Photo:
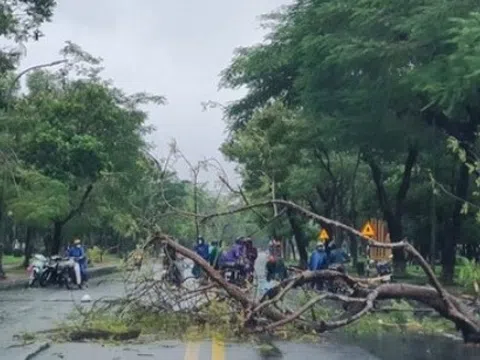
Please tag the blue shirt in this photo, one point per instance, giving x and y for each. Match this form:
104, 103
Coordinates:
318, 260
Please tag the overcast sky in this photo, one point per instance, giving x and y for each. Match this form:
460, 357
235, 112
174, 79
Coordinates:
174, 48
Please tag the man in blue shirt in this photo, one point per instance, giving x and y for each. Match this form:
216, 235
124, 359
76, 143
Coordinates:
318, 261
77, 252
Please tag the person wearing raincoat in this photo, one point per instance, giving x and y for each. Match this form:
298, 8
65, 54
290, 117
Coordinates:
214, 254
201, 248
318, 261
235, 256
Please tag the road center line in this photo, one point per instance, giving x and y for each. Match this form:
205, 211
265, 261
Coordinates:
192, 350
218, 350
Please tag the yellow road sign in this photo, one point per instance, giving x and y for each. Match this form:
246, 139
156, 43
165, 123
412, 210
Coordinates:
367, 230
323, 235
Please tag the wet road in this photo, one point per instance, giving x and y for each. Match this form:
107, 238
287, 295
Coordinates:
40, 309
30, 310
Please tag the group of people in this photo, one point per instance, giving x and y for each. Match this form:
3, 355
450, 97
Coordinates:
242, 255
324, 257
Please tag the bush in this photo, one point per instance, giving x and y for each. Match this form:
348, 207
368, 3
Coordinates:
469, 275
94, 254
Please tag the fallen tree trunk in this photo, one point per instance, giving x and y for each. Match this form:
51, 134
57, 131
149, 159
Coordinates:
364, 296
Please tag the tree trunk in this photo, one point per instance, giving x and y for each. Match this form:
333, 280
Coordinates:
393, 212
2, 242
300, 238
292, 248
354, 249
28, 246
56, 244
2, 272
451, 241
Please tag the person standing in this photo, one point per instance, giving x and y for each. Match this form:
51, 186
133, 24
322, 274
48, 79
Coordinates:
201, 248
318, 261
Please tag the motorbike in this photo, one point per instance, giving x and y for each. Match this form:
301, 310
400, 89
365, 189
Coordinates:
60, 271
382, 268
37, 265
235, 274
275, 270
338, 285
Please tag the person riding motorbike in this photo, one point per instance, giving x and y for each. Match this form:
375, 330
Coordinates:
275, 264
201, 248
235, 257
77, 252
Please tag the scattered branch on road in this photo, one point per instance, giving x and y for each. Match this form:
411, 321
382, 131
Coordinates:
267, 313
37, 351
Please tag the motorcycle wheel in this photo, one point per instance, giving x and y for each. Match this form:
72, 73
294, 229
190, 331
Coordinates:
45, 278
32, 280
67, 281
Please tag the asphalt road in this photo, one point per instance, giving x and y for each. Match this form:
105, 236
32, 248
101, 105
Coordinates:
30, 310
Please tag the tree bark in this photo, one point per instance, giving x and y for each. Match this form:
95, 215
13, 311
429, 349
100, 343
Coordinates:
58, 224
393, 213
354, 249
28, 246
56, 239
300, 238
451, 241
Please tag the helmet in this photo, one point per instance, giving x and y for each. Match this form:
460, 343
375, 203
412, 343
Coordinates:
77, 241
239, 240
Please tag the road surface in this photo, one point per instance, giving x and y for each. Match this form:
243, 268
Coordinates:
31, 310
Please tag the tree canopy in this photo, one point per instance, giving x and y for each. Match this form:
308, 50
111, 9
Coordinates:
382, 82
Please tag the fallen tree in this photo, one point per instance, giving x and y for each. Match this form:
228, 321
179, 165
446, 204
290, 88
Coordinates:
266, 314
191, 303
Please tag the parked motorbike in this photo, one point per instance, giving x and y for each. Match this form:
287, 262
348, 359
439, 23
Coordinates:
61, 272
382, 268
338, 285
37, 265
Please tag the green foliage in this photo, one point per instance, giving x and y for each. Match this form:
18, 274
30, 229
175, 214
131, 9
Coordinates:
469, 275
341, 92
39, 199
94, 254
